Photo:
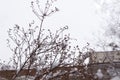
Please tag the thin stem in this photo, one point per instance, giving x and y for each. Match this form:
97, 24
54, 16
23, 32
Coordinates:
41, 24
25, 62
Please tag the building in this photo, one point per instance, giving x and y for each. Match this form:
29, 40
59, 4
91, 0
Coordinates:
105, 57
108, 62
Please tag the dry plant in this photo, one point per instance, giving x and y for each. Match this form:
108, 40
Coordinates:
49, 54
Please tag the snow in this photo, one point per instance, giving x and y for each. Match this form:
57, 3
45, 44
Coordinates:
113, 72
74, 69
55, 64
2, 78
49, 76
116, 78
57, 73
25, 78
99, 74
86, 62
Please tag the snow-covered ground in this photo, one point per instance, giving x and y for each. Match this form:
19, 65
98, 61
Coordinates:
2, 78
21, 78
116, 78
24, 78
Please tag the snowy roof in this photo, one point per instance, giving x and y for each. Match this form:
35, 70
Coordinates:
105, 56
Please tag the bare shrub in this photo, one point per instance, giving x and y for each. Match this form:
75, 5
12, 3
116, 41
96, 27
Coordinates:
48, 53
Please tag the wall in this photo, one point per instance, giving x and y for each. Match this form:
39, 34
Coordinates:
105, 57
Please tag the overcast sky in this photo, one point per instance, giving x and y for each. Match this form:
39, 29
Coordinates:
79, 15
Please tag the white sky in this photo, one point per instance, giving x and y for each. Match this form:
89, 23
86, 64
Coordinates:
79, 15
